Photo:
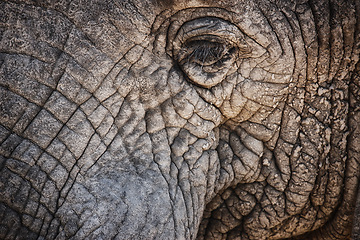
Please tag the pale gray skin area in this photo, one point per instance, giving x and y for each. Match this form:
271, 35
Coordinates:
142, 119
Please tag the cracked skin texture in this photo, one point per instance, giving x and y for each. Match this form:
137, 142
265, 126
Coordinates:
179, 119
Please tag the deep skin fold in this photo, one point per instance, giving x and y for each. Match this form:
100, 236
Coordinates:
102, 134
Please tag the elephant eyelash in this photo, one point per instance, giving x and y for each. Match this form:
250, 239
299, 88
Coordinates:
205, 52
208, 51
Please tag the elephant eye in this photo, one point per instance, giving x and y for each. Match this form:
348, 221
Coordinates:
207, 48
206, 51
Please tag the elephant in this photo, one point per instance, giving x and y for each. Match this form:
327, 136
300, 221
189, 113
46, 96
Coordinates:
161, 119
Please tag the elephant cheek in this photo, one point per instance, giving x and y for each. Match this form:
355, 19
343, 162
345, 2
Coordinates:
120, 205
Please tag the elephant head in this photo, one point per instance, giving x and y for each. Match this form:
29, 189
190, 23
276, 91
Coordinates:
179, 119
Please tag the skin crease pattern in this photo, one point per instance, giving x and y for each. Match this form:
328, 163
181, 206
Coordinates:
164, 119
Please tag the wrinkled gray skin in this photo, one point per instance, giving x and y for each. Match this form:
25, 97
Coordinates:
141, 119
